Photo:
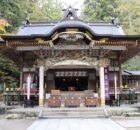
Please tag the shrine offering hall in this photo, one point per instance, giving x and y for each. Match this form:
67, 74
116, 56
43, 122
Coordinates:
70, 62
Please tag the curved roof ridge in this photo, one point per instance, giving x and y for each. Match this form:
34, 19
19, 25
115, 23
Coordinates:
70, 20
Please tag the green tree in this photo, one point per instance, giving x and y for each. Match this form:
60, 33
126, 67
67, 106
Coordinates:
52, 9
3, 25
38, 10
132, 64
99, 10
15, 11
129, 16
9, 72
10, 10
30, 8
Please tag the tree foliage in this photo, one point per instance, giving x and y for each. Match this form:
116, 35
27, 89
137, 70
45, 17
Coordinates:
133, 63
51, 9
10, 10
99, 10
3, 25
128, 13
9, 72
15, 11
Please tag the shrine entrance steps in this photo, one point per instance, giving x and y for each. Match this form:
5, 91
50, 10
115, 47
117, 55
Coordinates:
73, 113
79, 112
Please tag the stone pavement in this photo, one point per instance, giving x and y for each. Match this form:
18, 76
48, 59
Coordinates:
15, 124
121, 123
131, 123
76, 124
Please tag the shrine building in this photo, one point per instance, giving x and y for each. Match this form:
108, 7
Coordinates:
72, 56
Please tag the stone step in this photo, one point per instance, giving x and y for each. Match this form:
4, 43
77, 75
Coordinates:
73, 110
49, 114
132, 114
95, 111
73, 116
72, 113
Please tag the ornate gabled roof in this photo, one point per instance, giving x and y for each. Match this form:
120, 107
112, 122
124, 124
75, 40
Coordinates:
45, 29
94, 30
70, 20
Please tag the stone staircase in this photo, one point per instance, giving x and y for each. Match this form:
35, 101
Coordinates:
80, 112
73, 113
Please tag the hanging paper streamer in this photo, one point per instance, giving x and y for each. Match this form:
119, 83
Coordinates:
115, 85
28, 86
